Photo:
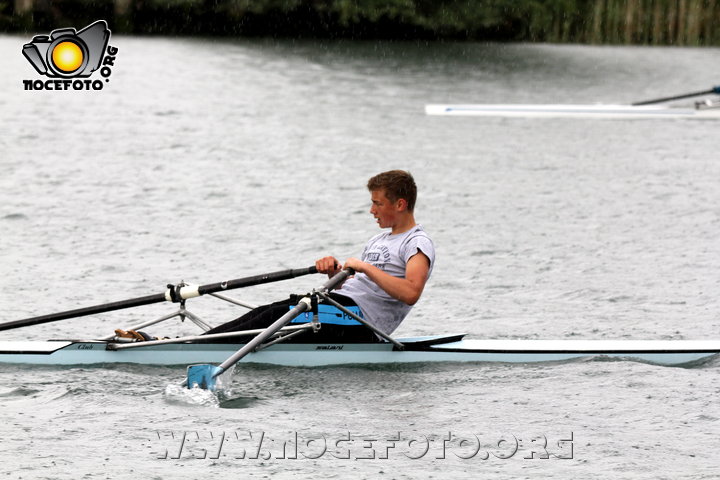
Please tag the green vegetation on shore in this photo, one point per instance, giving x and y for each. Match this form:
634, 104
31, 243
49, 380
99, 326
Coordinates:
649, 22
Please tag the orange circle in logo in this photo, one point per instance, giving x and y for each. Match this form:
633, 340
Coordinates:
67, 56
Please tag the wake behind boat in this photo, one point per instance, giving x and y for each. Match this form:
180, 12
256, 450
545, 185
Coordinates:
275, 345
704, 110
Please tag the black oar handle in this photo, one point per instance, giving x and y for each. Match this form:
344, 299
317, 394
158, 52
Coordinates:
172, 294
256, 280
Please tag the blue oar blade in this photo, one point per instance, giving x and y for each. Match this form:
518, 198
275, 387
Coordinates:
203, 376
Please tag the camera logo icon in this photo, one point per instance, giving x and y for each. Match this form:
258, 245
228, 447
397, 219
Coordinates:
67, 53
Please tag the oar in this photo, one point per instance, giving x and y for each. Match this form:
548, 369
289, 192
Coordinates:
172, 294
205, 375
714, 90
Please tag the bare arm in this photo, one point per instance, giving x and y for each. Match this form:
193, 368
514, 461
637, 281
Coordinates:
408, 289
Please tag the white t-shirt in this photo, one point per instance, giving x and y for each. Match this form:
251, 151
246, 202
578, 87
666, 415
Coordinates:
389, 253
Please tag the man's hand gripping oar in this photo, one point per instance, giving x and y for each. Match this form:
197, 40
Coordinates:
205, 375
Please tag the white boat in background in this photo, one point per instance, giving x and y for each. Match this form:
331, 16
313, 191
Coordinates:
707, 109
598, 111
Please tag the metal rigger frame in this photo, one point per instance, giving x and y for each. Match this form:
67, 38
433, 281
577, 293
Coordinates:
285, 333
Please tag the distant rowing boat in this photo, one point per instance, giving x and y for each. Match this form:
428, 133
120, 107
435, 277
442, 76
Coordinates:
574, 111
704, 110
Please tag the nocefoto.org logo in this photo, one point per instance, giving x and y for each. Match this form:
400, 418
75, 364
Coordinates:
68, 56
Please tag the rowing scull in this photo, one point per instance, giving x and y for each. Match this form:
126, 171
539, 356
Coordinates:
598, 111
274, 348
441, 348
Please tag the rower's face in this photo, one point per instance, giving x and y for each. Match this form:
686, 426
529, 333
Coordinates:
384, 211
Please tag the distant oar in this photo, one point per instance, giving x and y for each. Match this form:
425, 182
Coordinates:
205, 375
714, 90
172, 294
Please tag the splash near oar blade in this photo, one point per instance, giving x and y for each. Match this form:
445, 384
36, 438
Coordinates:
203, 376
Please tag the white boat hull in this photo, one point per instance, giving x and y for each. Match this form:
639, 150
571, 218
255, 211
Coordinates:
418, 350
573, 111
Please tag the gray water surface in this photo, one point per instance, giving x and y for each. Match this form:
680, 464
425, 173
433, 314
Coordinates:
206, 160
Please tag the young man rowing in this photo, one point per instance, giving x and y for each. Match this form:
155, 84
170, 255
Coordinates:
395, 265
388, 280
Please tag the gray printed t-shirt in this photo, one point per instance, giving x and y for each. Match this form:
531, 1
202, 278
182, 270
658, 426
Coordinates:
389, 253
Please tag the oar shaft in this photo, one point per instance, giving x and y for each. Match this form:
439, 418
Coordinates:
303, 306
81, 312
160, 297
714, 90
337, 280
